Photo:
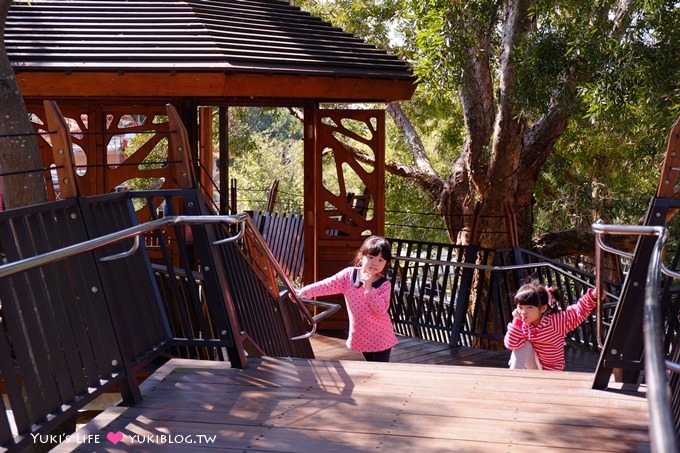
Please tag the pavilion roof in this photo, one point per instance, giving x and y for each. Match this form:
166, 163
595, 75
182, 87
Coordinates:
225, 37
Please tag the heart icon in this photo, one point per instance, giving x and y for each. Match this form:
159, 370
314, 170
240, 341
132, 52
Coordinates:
114, 438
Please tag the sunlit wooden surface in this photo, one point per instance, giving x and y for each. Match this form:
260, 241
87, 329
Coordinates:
348, 405
413, 350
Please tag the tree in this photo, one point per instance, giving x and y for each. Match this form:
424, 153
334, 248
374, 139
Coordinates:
20, 159
523, 72
266, 145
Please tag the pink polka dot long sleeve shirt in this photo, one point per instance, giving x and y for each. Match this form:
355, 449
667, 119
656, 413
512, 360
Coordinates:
547, 337
370, 326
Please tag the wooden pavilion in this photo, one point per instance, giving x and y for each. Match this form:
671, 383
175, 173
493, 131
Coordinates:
112, 67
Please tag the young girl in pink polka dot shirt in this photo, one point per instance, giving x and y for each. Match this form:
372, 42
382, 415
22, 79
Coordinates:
367, 296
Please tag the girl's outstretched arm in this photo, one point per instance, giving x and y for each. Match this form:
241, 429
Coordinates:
575, 314
335, 284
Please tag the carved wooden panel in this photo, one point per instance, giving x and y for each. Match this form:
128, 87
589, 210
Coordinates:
349, 191
115, 147
350, 196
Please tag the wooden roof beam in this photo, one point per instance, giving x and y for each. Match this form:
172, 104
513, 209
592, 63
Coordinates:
120, 84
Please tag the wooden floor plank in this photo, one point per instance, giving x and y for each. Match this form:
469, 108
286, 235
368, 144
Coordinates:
414, 350
298, 405
282, 401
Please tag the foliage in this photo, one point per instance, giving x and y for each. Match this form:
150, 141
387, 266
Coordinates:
266, 144
377, 22
438, 40
611, 156
598, 173
408, 210
406, 213
615, 72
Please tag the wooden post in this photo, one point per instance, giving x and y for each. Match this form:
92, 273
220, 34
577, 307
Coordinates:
179, 149
62, 150
205, 155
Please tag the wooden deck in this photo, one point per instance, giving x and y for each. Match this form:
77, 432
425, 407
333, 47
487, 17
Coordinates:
348, 405
413, 350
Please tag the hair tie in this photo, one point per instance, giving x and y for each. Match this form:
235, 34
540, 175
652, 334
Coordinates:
551, 298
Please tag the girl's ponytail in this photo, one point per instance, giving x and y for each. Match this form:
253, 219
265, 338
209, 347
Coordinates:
555, 299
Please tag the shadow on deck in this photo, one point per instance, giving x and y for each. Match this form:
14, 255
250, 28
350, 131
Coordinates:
413, 350
301, 405
340, 403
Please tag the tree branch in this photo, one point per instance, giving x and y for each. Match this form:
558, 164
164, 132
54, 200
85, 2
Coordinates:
507, 138
477, 99
431, 184
412, 139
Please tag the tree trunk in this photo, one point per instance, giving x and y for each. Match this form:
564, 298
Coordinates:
20, 159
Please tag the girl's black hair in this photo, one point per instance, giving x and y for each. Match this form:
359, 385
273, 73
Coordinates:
536, 294
374, 246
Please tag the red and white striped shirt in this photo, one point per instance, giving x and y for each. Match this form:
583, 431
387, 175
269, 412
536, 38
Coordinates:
547, 337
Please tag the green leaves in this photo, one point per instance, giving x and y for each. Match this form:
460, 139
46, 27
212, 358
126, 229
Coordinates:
266, 144
612, 66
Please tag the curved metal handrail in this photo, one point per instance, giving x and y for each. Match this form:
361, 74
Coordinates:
242, 219
125, 254
330, 309
290, 288
493, 267
600, 229
226, 240
661, 424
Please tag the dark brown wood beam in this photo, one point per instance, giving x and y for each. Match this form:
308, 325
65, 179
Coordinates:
54, 85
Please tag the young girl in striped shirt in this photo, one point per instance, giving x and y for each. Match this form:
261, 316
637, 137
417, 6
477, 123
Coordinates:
537, 331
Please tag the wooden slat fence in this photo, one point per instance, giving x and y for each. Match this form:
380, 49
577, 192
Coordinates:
65, 337
284, 235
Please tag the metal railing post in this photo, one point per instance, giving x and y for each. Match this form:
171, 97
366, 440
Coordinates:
661, 424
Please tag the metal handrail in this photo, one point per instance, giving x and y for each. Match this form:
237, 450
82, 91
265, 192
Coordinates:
494, 267
54, 256
330, 308
226, 240
243, 219
512, 267
599, 229
640, 230
125, 254
661, 424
